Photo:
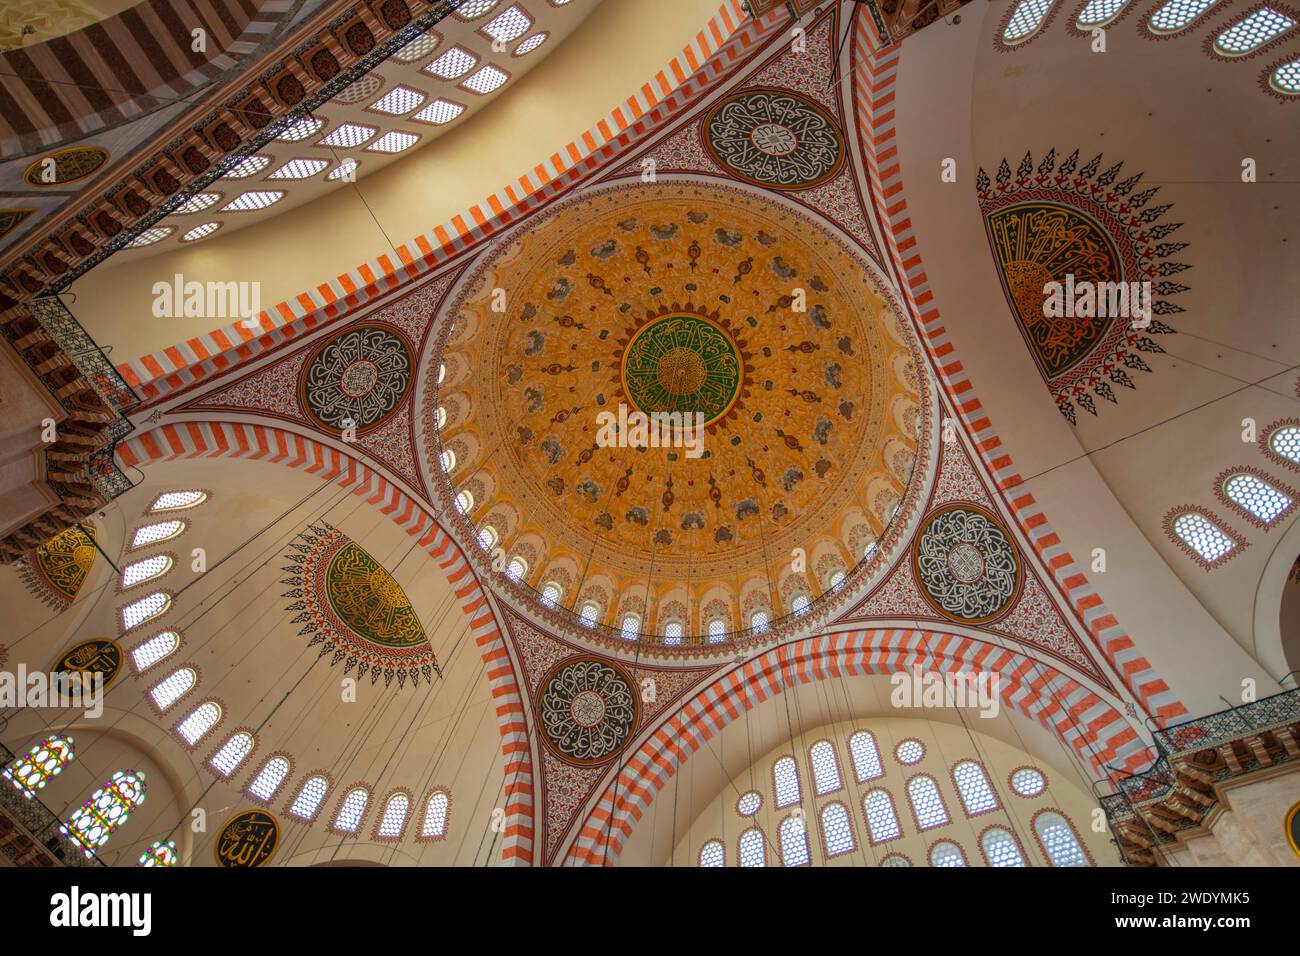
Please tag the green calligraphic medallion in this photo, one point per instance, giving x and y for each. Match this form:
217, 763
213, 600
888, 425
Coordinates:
247, 840
682, 363
369, 601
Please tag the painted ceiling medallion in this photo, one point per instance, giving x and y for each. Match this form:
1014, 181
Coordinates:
774, 138
352, 607
69, 166
684, 297
357, 378
1050, 222
966, 563
587, 709
248, 839
97, 656
682, 363
57, 569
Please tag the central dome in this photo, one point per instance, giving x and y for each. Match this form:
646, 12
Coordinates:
682, 402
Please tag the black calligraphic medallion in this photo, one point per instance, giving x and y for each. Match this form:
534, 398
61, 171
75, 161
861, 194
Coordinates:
248, 839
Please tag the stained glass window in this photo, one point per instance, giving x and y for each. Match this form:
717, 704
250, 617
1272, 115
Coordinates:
269, 779
753, 848
1000, 848
394, 819
352, 810
435, 815
866, 758
159, 854
927, 803
1059, 840
794, 841
836, 830
310, 796
826, 769
882, 822
34, 769
713, 853
786, 777
107, 809
973, 785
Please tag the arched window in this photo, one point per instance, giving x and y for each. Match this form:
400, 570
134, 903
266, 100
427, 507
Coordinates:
1025, 20
232, 753
552, 594
1177, 14
172, 688
1206, 540
1285, 443
442, 368
1028, 782
713, 853
837, 579
448, 460
351, 811
488, 537
785, 776
464, 502
1286, 78
177, 501
311, 795
159, 854
201, 719
630, 629
947, 853
149, 534
1253, 31
140, 571
1000, 848
800, 604
758, 621
837, 831
1098, 13
794, 841
589, 614
825, 768
393, 822
516, 569
149, 653
882, 821
753, 848
107, 809
717, 631
436, 807
441, 417
866, 758
34, 769
927, 803
1060, 842
269, 779
973, 785
868, 552
895, 859
146, 609
1257, 499
673, 633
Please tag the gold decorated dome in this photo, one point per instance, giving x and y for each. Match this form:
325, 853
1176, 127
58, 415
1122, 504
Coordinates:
681, 402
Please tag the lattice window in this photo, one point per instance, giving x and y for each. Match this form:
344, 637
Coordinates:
837, 579
1177, 14
418, 48
254, 200
140, 571
927, 803
145, 609
882, 821
1059, 840
473, 9
1203, 536
717, 631
837, 831
269, 779
454, 63
486, 79
1028, 782
800, 604
38, 766
232, 753
508, 25
794, 841
344, 170
303, 129
248, 166
202, 719
1257, 497
753, 848
200, 231
517, 569
1000, 848
487, 537
1246, 36
946, 853
156, 533
895, 859
107, 809
448, 460
300, 169
551, 594
351, 811
152, 651
588, 615
1027, 17
749, 803
197, 203
1286, 78
531, 44
909, 751
825, 768
439, 112
673, 633
435, 815
394, 820
713, 853
785, 775
464, 502
398, 101
310, 797
150, 236
394, 141
349, 135
866, 757
973, 785
1098, 13
178, 500
172, 688
758, 621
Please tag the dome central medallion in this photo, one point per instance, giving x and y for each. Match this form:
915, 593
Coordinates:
677, 401
680, 363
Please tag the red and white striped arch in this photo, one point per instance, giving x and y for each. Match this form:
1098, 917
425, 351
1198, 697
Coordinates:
1084, 722
255, 442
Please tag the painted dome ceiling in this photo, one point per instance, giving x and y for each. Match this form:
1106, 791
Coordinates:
686, 299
